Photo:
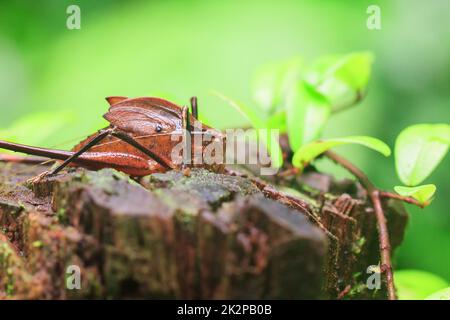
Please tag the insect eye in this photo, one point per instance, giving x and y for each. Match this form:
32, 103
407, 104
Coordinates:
158, 128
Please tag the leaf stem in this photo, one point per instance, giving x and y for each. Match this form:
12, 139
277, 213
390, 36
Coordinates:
391, 195
383, 234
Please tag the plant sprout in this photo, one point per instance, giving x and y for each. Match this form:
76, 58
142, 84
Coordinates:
298, 99
418, 150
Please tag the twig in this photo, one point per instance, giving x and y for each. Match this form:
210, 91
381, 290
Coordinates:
289, 172
383, 234
344, 292
410, 200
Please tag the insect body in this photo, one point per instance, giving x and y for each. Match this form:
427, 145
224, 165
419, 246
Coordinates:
140, 139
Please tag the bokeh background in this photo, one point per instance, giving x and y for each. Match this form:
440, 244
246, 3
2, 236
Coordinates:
53, 80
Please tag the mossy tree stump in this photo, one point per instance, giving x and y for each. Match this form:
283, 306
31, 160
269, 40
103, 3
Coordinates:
205, 235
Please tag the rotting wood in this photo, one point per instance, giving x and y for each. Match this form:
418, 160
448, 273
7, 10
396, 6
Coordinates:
205, 235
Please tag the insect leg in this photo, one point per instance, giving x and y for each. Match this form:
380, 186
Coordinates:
130, 140
102, 135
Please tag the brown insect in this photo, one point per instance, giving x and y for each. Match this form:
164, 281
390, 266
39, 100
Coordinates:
139, 140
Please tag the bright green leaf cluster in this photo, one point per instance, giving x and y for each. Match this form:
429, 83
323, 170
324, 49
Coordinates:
307, 113
273, 82
418, 151
342, 79
299, 100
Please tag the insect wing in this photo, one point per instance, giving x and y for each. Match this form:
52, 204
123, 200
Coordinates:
145, 116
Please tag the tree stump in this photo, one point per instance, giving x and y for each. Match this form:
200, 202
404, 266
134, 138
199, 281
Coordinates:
206, 235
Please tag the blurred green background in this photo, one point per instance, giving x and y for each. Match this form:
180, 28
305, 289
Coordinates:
53, 80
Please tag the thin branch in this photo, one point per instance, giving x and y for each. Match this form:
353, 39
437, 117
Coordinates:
344, 292
410, 200
368, 185
350, 167
289, 172
383, 234
385, 244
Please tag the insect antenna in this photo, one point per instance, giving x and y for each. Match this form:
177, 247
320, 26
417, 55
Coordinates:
34, 162
194, 107
187, 154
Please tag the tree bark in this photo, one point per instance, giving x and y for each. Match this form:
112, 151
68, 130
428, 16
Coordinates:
205, 235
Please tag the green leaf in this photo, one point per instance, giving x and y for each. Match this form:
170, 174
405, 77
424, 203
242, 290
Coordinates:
443, 294
272, 82
250, 114
341, 79
353, 69
308, 152
419, 149
278, 121
421, 193
416, 284
272, 145
307, 114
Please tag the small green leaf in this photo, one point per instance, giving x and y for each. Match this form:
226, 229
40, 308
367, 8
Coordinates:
341, 79
443, 294
250, 114
340, 95
416, 284
272, 145
308, 152
421, 193
419, 149
272, 82
353, 69
307, 114
277, 121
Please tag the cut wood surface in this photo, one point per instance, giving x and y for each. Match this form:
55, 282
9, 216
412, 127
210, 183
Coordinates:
202, 235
